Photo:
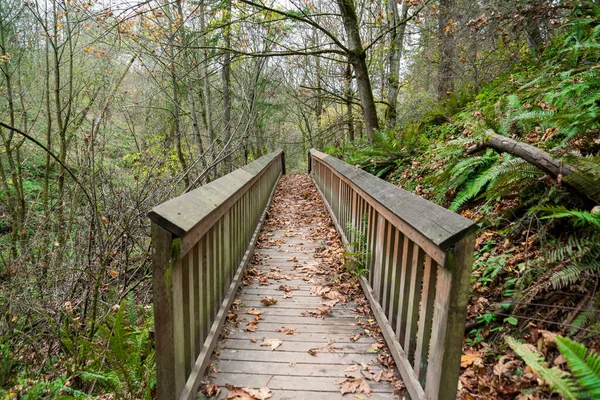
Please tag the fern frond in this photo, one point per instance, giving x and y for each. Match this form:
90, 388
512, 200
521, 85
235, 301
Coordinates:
557, 379
585, 367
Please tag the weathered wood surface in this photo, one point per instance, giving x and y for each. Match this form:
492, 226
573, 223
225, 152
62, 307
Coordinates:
201, 242
208, 203
441, 227
290, 371
418, 258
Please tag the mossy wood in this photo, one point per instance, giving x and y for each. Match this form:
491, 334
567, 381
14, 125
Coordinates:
418, 262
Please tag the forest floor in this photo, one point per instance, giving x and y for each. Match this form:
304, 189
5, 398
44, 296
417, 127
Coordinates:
301, 326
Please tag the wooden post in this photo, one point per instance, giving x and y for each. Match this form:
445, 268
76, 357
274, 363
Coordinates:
449, 315
170, 376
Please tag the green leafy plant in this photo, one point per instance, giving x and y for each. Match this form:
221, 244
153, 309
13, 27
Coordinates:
583, 382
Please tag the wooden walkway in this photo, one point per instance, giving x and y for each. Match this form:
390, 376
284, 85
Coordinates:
284, 346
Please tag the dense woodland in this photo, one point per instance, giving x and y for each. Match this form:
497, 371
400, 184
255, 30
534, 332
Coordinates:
108, 108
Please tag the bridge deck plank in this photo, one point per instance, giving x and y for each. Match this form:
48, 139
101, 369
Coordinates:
290, 371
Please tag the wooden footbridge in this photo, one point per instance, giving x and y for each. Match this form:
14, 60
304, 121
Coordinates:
418, 261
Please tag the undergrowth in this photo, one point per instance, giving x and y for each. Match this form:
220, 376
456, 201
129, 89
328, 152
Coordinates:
537, 258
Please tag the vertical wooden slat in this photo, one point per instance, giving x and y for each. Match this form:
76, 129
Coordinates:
449, 315
199, 337
387, 265
204, 284
188, 311
214, 272
378, 245
416, 280
350, 233
403, 289
371, 217
178, 327
395, 284
425, 319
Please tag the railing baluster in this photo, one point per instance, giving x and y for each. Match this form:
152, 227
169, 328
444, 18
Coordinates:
395, 285
379, 247
387, 264
416, 281
188, 312
403, 289
425, 319
200, 240
418, 265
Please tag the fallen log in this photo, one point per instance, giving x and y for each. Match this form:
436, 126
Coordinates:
553, 167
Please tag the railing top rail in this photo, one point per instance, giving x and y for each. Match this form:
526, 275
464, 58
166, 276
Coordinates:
439, 225
183, 213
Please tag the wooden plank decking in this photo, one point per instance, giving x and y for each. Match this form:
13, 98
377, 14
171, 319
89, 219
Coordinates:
287, 252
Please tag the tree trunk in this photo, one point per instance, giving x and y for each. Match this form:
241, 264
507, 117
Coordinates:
553, 167
349, 116
358, 59
206, 88
227, 88
447, 47
395, 55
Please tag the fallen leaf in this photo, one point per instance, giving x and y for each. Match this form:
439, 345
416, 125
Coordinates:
274, 343
353, 385
238, 393
286, 288
254, 311
251, 327
355, 337
471, 357
506, 366
287, 331
211, 389
351, 368
319, 312
260, 394
268, 301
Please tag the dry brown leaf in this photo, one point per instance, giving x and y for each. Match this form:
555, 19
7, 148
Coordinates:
506, 366
471, 357
287, 295
327, 348
355, 337
351, 368
260, 394
319, 312
286, 288
251, 327
238, 393
211, 389
330, 303
287, 331
232, 317
254, 311
274, 343
353, 385
268, 300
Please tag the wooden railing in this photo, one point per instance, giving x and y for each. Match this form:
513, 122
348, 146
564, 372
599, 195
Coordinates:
201, 242
418, 258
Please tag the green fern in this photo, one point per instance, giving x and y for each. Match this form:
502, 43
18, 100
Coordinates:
557, 379
584, 365
579, 218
